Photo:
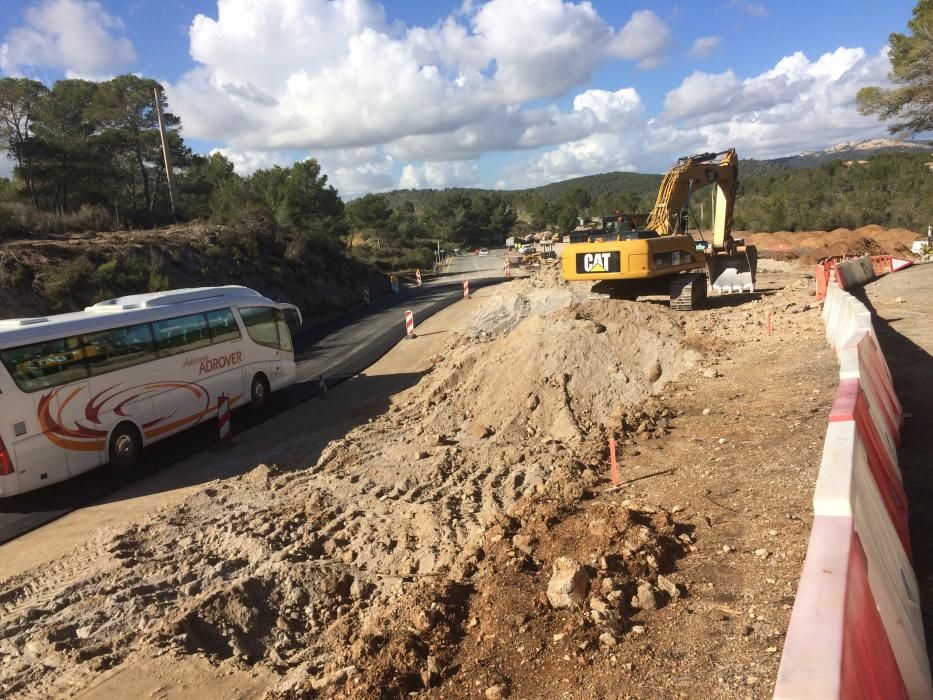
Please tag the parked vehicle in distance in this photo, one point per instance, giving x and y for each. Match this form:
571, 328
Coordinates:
82, 389
483, 251
525, 249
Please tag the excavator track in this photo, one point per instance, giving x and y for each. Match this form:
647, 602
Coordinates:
688, 291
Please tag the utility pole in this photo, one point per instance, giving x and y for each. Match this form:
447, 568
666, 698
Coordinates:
170, 178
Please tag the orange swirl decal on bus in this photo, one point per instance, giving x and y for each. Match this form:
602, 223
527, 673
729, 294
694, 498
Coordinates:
86, 437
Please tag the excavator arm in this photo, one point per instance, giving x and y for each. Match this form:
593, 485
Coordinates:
669, 216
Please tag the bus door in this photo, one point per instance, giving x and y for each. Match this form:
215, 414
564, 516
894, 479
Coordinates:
284, 356
260, 323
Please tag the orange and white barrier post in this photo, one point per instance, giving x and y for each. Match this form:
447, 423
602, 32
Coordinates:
365, 295
417, 278
223, 417
613, 465
466, 289
507, 269
409, 324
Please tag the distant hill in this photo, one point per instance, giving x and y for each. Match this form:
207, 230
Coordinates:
596, 185
645, 185
849, 150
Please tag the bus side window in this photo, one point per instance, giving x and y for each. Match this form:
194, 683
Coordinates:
285, 336
223, 325
46, 364
260, 325
181, 334
118, 348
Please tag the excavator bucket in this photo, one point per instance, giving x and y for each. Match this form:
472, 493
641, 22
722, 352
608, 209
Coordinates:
733, 274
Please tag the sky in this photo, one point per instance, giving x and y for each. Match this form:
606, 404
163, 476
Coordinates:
503, 93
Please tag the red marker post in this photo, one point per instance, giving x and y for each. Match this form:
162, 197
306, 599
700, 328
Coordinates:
418, 278
409, 324
223, 417
466, 289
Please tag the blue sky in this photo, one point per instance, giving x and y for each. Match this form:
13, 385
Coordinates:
506, 93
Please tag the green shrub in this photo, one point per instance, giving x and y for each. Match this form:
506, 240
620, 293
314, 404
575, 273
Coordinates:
66, 285
12, 272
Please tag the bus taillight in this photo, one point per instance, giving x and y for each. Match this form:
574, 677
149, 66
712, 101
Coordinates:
6, 464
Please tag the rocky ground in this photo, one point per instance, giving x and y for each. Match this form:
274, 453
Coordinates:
468, 542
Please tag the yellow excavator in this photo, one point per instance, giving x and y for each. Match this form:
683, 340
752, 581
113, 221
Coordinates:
664, 257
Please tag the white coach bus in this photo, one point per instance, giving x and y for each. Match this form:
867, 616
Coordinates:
82, 389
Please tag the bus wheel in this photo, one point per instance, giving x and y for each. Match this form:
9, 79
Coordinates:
259, 391
125, 447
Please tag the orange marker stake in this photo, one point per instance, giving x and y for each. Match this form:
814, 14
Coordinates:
613, 465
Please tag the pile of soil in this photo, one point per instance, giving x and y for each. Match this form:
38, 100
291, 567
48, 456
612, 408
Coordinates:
810, 246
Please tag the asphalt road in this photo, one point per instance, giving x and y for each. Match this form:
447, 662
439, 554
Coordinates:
338, 349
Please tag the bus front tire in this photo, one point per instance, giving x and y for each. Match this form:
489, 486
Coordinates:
259, 391
125, 447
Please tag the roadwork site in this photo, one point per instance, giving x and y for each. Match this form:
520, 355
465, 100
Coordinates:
455, 533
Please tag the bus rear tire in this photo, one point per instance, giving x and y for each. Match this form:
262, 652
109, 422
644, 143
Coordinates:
126, 446
259, 391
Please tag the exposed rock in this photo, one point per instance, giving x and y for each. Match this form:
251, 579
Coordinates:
480, 431
569, 583
524, 543
495, 692
668, 586
646, 597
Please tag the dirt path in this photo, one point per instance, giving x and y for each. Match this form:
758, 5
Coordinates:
403, 535
901, 303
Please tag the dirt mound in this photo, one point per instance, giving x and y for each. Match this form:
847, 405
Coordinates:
556, 376
810, 246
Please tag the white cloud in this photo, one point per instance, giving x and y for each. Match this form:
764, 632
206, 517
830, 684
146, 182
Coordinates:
248, 162
438, 175
799, 105
755, 9
77, 37
282, 75
645, 38
704, 46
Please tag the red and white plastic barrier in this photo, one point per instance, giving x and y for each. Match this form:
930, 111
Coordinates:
466, 289
507, 268
856, 628
223, 417
417, 278
851, 272
409, 324
365, 295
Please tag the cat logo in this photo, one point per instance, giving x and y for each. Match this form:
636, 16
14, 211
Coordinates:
596, 262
